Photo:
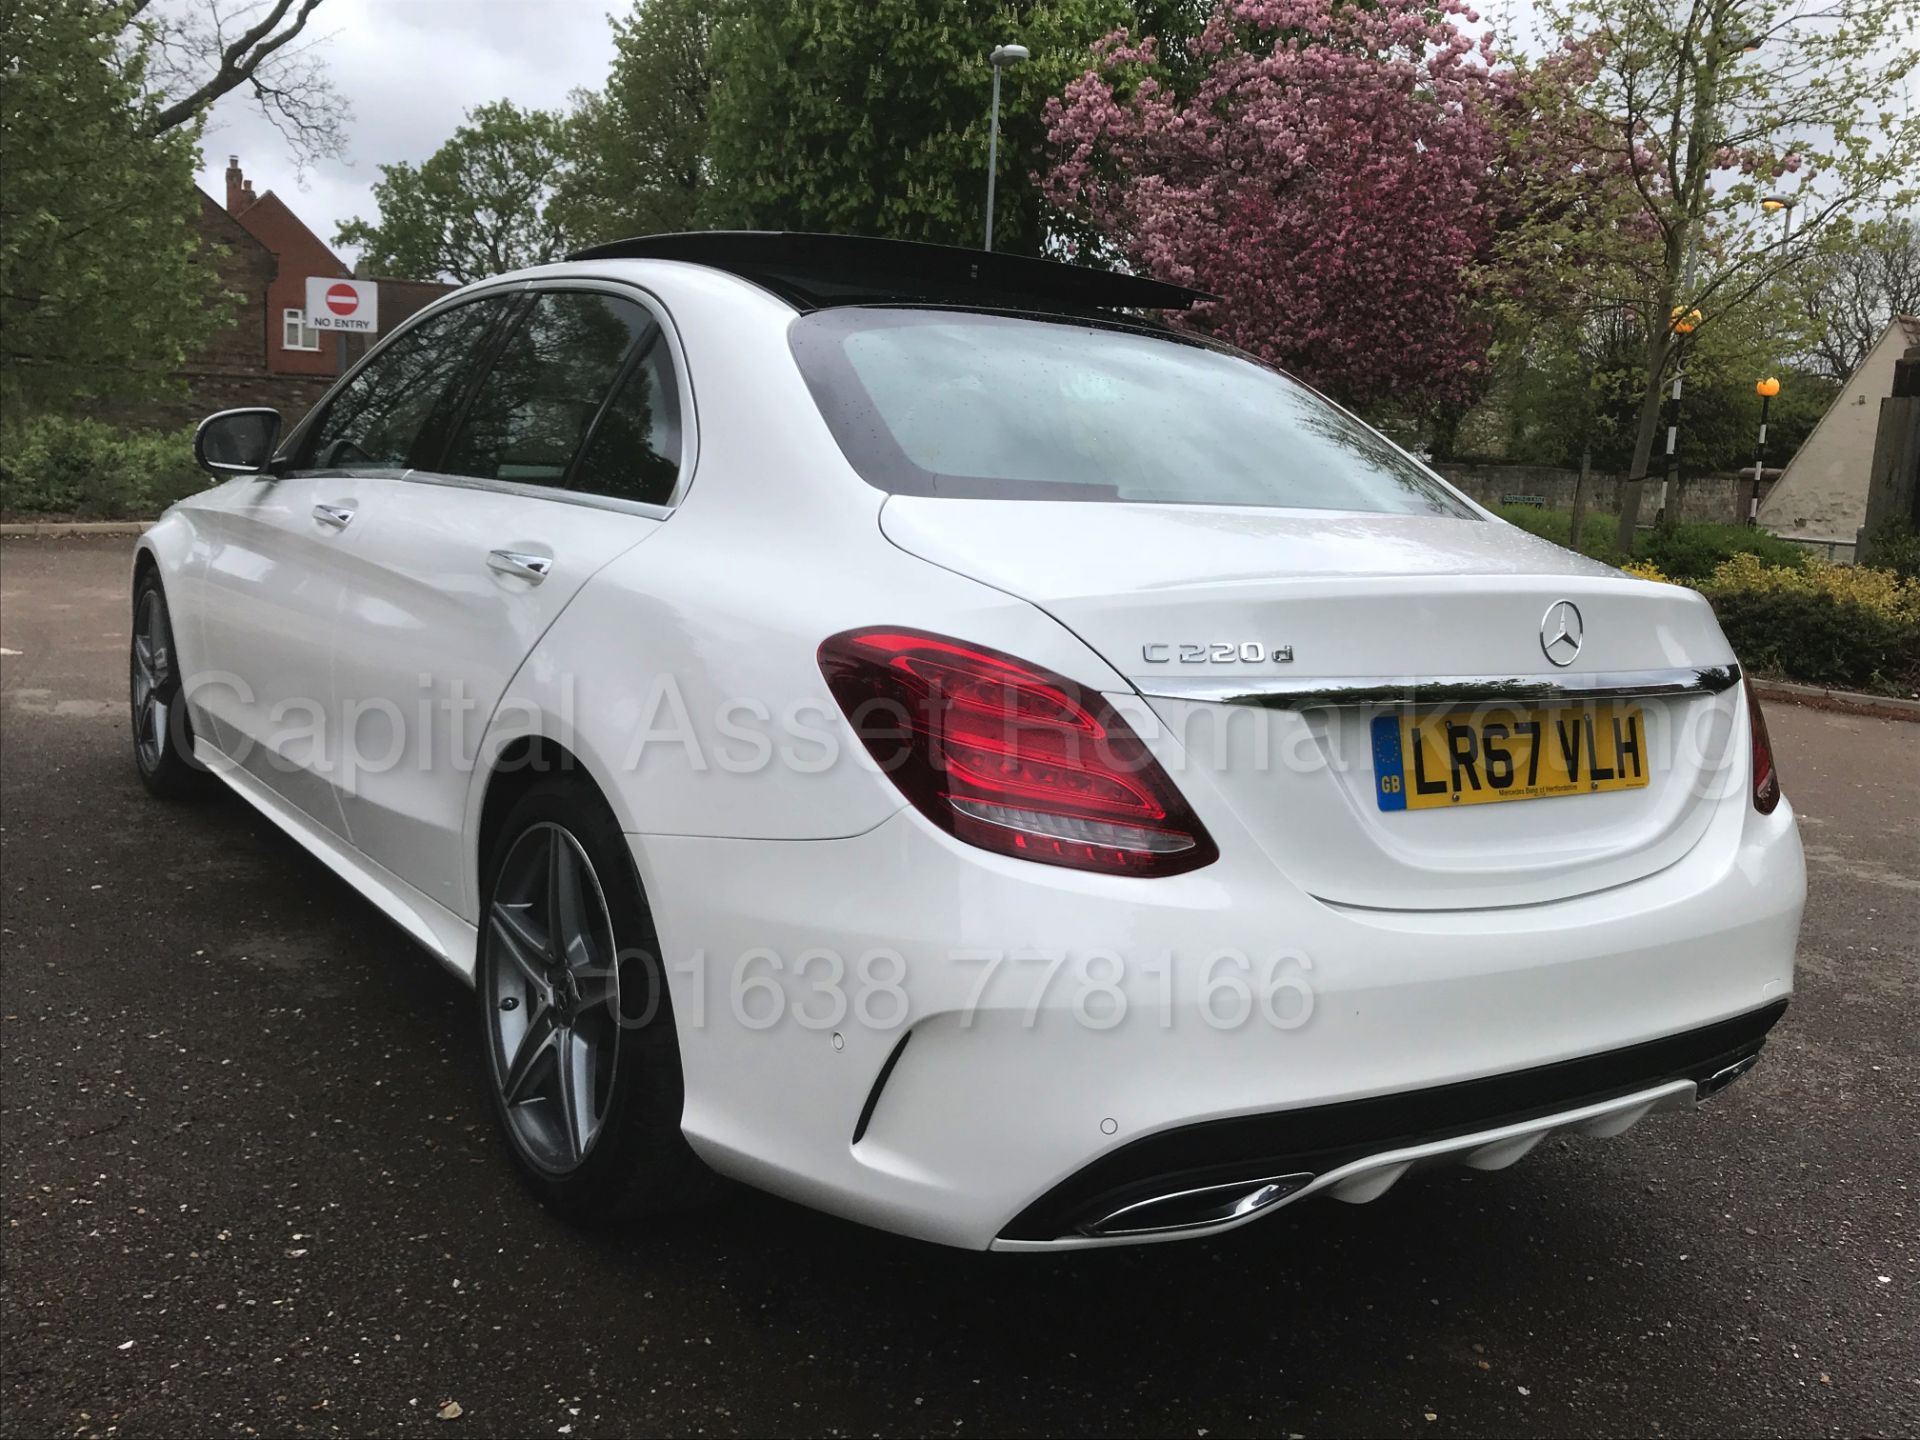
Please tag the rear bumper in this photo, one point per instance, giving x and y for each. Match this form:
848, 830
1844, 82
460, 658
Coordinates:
1021, 1101
1178, 1183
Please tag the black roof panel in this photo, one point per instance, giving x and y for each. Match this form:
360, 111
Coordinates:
818, 271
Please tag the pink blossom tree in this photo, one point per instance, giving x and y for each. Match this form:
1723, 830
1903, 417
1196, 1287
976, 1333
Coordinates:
1326, 173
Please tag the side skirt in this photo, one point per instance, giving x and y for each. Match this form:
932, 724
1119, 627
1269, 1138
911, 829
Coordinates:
429, 924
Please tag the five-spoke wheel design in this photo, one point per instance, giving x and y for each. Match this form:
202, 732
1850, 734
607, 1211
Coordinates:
152, 669
553, 997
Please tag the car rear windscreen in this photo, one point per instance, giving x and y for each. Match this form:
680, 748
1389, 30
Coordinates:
960, 403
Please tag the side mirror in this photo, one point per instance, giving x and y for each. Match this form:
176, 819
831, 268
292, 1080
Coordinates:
237, 442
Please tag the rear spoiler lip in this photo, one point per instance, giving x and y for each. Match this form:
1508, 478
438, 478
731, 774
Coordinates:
814, 271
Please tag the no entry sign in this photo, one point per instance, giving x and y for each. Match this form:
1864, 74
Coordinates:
334, 304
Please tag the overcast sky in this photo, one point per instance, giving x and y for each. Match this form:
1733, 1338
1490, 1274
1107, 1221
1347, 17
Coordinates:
411, 69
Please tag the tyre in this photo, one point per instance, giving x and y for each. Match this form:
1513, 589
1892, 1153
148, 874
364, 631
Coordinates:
582, 1062
162, 733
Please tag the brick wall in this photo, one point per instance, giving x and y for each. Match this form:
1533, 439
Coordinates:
244, 267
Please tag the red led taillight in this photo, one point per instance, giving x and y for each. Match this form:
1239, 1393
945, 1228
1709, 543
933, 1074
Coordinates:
1766, 779
1010, 757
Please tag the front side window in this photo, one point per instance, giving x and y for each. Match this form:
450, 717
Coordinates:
375, 420
635, 450
536, 404
296, 334
957, 403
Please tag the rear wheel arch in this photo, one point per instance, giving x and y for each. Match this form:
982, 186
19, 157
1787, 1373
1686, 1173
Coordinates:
511, 759
522, 763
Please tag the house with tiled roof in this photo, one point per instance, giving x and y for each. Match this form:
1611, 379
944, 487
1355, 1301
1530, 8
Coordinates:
262, 252
292, 348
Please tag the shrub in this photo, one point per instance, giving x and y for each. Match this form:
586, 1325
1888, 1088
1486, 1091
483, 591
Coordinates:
1825, 624
54, 465
1691, 553
1895, 545
1686, 554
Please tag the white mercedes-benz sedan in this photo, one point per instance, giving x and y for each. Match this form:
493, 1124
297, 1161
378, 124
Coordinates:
908, 729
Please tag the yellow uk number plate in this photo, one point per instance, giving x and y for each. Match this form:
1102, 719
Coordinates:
1424, 759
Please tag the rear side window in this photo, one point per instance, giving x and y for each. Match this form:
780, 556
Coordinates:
635, 450
534, 408
379, 414
944, 402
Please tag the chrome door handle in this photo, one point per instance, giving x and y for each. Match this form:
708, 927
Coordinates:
530, 568
335, 515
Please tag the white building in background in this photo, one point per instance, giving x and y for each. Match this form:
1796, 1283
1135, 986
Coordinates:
1822, 494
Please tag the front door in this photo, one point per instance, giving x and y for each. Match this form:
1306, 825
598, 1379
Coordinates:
270, 601
286, 553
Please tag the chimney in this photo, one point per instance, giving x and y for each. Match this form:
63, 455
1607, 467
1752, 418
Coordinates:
238, 197
248, 191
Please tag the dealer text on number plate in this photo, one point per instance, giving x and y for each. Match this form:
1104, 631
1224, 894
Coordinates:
1424, 759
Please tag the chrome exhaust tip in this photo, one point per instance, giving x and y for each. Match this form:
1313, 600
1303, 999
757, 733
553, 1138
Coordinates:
1196, 1209
1722, 1078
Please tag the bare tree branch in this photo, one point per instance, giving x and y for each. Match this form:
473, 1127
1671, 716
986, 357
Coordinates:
202, 54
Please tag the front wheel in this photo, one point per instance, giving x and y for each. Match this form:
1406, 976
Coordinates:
582, 1061
162, 734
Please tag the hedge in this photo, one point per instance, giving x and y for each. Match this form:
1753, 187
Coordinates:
1842, 625
1693, 554
1895, 546
1784, 612
55, 465
1686, 553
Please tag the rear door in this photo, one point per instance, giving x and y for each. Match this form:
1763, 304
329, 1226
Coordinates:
565, 453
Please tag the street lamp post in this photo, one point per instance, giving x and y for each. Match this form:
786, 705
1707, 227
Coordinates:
1682, 323
1766, 389
1685, 319
1002, 56
1782, 203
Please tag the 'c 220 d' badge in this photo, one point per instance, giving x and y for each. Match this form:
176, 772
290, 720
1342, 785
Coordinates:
1222, 652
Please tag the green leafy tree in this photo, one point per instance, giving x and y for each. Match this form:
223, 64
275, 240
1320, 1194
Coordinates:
1559, 379
1707, 107
1577, 388
870, 116
101, 291
637, 150
1570, 250
480, 204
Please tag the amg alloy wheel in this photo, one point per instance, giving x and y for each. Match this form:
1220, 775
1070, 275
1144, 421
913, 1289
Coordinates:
554, 1007
583, 1065
162, 736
